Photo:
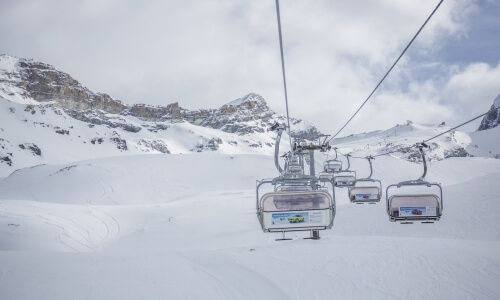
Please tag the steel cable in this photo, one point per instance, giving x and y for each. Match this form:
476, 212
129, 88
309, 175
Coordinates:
390, 69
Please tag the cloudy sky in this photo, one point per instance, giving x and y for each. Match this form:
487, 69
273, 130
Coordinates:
205, 53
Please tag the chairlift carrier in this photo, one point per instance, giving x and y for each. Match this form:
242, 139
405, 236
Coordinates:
332, 165
298, 202
344, 178
366, 189
423, 207
294, 205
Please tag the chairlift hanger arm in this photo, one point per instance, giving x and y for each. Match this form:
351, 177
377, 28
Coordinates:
326, 136
277, 149
420, 148
369, 158
348, 161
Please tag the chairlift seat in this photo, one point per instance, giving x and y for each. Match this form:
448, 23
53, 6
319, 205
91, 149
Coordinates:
365, 194
331, 167
326, 175
297, 210
294, 169
414, 207
344, 180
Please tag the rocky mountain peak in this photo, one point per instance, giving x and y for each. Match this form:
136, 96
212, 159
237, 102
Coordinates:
30, 82
491, 119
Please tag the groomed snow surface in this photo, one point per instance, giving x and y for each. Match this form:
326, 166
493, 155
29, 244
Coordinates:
184, 227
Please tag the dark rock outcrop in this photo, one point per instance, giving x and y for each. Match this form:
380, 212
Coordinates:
492, 118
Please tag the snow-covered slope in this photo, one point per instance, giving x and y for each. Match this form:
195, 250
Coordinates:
44, 134
401, 139
485, 143
155, 226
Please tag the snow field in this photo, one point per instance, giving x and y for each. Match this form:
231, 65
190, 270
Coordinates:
184, 227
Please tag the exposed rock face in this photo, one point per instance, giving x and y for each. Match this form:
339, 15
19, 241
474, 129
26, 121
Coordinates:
42, 82
31, 147
99, 117
154, 113
154, 145
251, 114
492, 119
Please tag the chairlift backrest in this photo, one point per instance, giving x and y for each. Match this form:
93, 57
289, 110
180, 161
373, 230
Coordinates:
326, 175
414, 206
331, 166
342, 180
297, 204
370, 191
284, 201
283, 188
294, 211
294, 169
364, 194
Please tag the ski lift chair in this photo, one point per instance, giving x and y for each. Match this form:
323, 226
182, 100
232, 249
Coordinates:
331, 166
295, 169
366, 189
279, 211
344, 179
291, 208
425, 207
326, 175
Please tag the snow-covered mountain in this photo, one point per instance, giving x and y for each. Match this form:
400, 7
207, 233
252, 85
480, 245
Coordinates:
400, 141
29, 82
492, 118
92, 208
49, 117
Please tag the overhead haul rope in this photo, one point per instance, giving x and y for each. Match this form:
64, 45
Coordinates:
436, 136
283, 70
490, 111
386, 74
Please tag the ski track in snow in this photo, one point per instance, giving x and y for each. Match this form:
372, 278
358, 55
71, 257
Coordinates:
79, 234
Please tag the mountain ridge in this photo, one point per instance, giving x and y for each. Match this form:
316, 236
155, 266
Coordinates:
62, 129
31, 82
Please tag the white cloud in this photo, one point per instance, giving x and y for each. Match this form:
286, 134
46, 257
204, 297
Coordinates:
206, 53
